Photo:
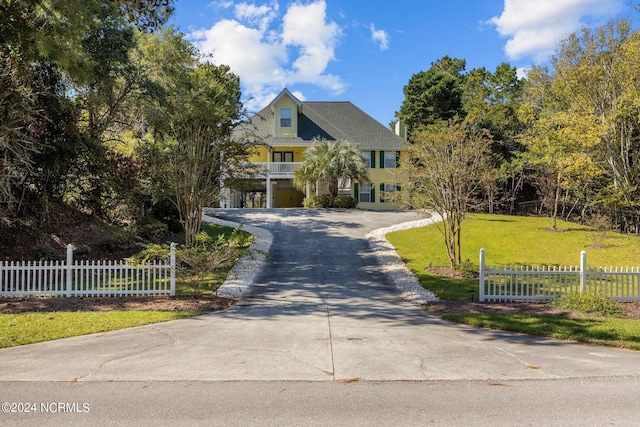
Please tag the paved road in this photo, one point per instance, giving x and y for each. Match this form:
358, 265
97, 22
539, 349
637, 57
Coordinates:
322, 312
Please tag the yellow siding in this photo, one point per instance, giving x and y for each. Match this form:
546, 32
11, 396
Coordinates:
287, 197
379, 176
260, 154
286, 102
298, 153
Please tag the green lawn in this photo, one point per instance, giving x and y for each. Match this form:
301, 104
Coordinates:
510, 240
28, 328
609, 331
514, 240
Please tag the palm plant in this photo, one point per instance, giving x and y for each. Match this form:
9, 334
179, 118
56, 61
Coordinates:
333, 162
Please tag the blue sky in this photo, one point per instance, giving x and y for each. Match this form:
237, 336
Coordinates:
365, 51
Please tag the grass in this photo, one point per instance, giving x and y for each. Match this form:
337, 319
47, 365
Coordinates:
212, 282
514, 240
608, 331
29, 328
509, 240
209, 282
205, 280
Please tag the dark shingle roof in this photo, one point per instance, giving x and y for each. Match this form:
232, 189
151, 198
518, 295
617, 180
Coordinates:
330, 121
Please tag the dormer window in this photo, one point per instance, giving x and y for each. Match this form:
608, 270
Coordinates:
285, 117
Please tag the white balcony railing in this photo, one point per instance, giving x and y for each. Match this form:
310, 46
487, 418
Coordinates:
276, 169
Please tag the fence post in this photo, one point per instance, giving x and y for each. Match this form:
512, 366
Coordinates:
69, 270
172, 280
481, 276
583, 272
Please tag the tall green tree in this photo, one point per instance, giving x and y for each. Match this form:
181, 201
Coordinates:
491, 101
581, 119
597, 70
68, 59
434, 95
54, 31
18, 109
333, 162
559, 141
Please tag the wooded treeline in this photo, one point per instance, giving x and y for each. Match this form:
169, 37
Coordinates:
105, 109
564, 140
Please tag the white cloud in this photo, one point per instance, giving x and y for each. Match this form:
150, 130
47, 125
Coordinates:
244, 50
269, 53
221, 4
262, 16
535, 27
522, 72
380, 36
305, 27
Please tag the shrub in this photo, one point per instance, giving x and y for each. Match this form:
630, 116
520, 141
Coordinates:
468, 270
118, 240
214, 250
345, 202
151, 228
602, 223
45, 252
594, 303
317, 201
82, 250
326, 201
151, 253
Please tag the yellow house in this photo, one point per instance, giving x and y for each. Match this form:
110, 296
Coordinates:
288, 127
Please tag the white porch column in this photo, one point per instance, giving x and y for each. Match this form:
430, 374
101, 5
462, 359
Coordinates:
269, 191
269, 195
308, 191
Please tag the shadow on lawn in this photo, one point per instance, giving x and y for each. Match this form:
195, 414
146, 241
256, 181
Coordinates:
586, 330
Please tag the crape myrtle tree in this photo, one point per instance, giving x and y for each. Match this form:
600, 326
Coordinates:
483, 100
332, 162
444, 166
190, 149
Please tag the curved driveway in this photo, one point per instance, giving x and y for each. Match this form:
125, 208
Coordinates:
321, 310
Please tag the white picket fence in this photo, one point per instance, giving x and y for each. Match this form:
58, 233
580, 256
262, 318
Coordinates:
87, 278
537, 284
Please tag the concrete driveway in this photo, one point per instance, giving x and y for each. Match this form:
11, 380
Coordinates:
322, 310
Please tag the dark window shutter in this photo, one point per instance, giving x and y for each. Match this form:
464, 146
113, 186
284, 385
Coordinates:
373, 194
381, 193
373, 160
382, 159
356, 189
397, 159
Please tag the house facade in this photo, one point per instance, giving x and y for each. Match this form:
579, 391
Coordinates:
287, 127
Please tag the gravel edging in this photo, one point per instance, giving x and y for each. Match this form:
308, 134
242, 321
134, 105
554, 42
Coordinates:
244, 273
410, 288
247, 268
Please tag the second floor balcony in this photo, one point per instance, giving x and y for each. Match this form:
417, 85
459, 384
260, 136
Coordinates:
275, 169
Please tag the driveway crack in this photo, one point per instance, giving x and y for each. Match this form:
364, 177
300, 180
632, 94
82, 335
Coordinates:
333, 364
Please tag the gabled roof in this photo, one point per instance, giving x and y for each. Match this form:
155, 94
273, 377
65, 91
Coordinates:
327, 120
285, 92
